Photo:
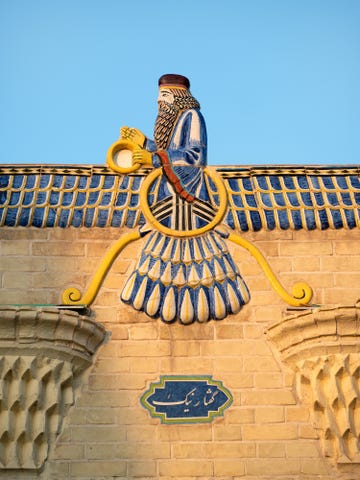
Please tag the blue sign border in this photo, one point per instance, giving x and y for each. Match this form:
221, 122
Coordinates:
148, 402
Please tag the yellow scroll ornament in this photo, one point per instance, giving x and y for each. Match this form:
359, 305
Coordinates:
301, 292
72, 296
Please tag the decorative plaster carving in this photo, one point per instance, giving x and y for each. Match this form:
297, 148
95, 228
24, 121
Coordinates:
322, 347
185, 271
43, 351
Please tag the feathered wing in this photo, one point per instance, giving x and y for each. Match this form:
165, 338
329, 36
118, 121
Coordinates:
259, 198
63, 196
292, 198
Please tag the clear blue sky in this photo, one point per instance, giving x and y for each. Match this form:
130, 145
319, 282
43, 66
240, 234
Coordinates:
278, 80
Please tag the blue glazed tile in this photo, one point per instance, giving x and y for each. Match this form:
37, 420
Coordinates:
186, 399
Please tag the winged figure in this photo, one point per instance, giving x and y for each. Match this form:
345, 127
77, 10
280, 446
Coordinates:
187, 210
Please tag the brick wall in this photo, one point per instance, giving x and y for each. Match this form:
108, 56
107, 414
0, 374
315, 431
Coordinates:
265, 434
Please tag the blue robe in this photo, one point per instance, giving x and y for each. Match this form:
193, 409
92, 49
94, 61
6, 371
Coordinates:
185, 279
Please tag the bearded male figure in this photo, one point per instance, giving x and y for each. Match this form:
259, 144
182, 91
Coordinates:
191, 278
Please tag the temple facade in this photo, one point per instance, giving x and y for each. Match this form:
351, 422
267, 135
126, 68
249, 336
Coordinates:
95, 388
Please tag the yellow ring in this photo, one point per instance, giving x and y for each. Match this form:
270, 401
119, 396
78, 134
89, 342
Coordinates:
116, 147
183, 233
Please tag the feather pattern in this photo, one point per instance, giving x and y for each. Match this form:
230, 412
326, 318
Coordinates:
204, 284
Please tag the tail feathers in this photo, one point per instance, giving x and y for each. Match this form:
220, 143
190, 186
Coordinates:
186, 279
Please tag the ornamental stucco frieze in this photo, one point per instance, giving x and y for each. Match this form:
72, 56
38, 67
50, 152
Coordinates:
43, 352
322, 346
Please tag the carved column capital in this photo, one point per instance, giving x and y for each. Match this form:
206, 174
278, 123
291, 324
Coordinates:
322, 347
43, 351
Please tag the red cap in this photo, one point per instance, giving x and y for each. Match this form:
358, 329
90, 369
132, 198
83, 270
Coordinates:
174, 80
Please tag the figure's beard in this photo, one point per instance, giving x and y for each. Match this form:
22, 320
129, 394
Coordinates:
165, 121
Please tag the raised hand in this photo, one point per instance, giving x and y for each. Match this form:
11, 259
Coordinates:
133, 134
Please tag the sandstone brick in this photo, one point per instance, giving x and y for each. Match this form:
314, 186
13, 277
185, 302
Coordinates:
270, 415
347, 247
60, 280
185, 467
133, 250
308, 431
264, 364
303, 449
103, 451
297, 414
98, 469
214, 450
64, 234
227, 432
22, 264
108, 315
322, 279
100, 416
97, 249
144, 332
240, 415
116, 382
233, 468
253, 331
128, 450
296, 249
229, 331
143, 348
344, 263
94, 433
140, 433
123, 266
77, 416
268, 248
57, 471
346, 279
108, 298
86, 265
266, 313
69, 452
318, 467
273, 466
187, 348
174, 433
145, 365
14, 280
306, 264
266, 297
12, 234
341, 296
15, 247
109, 350
268, 397
272, 450
268, 380
133, 415
233, 348
272, 432
119, 332
242, 380
106, 399
141, 469
229, 364
23, 296
182, 365
55, 249
195, 331
126, 314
